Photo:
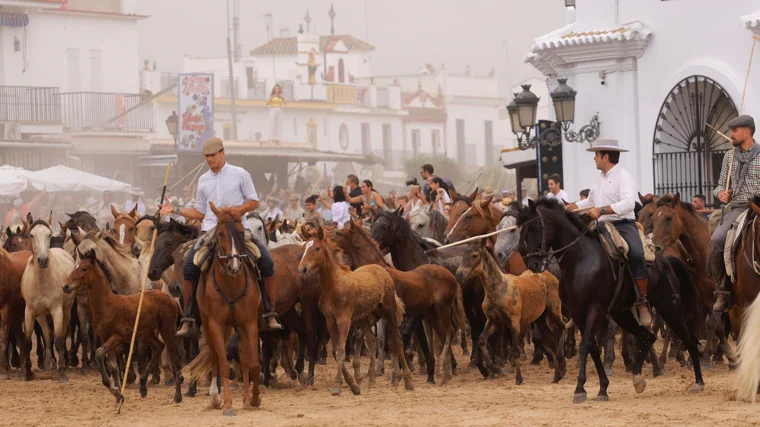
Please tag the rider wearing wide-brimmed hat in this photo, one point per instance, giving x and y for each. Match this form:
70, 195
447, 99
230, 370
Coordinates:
226, 186
613, 199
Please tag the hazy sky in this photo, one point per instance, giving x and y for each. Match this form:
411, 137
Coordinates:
406, 33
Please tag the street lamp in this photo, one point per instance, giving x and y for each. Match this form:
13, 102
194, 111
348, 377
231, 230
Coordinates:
563, 98
522, 116
171, 125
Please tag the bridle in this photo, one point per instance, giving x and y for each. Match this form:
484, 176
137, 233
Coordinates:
545, 254
222, 255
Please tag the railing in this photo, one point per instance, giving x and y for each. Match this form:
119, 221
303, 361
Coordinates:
258, 91
341, 94
29, 104
287, 89
689, 173
112, 111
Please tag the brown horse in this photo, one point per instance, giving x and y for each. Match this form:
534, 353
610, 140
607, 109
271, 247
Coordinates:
363, 296
124, 225
459, 205
17, 240
113, 322
228, 296
12, 266
428, 291
678, 223
515, 302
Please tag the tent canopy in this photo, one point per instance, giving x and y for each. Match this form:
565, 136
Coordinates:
62, 178
12, 180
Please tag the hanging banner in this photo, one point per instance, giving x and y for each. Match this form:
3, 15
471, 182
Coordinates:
196, 111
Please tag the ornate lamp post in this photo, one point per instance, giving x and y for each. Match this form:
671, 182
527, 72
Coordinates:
171, 125
563, 98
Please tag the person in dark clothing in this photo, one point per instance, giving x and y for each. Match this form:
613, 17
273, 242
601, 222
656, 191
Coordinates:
354, 196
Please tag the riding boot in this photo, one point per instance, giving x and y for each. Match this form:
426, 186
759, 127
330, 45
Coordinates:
718, 273
642, 305
269, 304
188, 289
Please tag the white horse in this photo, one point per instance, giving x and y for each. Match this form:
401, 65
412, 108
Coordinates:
428, 223
41, 287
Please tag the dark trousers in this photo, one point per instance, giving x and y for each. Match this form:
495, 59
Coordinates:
192, 272
636, 261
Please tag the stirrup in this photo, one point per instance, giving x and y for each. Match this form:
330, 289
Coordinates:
637, 306
721, 301
272, 315
187, 327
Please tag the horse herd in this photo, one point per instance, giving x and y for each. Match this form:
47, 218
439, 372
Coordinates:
367, 288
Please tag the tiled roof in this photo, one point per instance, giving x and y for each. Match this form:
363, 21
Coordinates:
567, 36
289, 45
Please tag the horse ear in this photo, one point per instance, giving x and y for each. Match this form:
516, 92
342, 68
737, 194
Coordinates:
320, 233
305, 233
75, 238
8, 232
643, 199
50, 218
78, 252
351, 223
62, 225
133, 212
90, 254
114, 211
82, 232
29, 219
677, 198
400, 211
483, 243
531, 206
474, 194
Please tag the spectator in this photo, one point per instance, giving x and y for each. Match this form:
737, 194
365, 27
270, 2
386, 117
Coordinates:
524, 191
446, 210
312, 216
426, 171
20, 209
416, 199
294, 211
338, 206
555, 189
584, 194
441, 190
699, 202
273, 210
402, 201
354, 196
129, 204
187, 200
372, 199
506, 198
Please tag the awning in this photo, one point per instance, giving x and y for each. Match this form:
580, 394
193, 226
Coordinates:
62, 178
303, 155
9, 19
12, 180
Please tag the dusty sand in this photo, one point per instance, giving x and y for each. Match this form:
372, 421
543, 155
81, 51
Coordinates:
467, 400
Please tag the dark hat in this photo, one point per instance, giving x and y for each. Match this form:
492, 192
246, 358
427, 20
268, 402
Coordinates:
743, 121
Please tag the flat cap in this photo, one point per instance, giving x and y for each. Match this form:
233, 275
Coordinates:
743, 121
212, 145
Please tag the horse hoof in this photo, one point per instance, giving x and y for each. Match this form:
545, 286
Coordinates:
639, 384
518, 381
229, 413
357, 392
4, 377
579, 397
658, 373
63, 380
256, 402
335, 392
609, 372
430, 381
602, 398
697, 388
29, 377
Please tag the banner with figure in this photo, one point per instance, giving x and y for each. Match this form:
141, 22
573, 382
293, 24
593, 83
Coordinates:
195, 101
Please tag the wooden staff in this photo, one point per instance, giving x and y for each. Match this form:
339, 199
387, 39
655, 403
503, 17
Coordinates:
733, 151
142, 292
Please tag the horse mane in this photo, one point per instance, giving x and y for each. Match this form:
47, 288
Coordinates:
510, 212
556, 205
438, 222
112, 242
39, 222
336, 254
461, 198
669, 199
371, 243
403, 230
82, 216
181, 228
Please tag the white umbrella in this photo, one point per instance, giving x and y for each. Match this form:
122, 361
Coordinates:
62, 178
12, 180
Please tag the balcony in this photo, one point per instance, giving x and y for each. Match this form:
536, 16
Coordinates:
29, 104
105, 111
257, 90
342, 94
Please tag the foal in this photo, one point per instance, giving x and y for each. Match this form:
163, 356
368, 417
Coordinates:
113, 322
363, 296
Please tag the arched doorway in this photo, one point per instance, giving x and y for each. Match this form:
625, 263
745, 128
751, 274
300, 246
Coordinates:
341, 71
687, 154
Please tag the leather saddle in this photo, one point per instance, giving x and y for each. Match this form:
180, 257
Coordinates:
617, 248
204, 256
733, 240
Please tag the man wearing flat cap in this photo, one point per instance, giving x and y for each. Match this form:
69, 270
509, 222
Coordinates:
226, 186
745, 183
613, 199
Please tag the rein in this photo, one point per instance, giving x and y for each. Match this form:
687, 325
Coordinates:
223, 257
542, 252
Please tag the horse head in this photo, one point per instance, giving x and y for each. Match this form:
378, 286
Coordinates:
40, 233
124, 225
476, 220
257, 227
644, 217
507, 242
143, 231
386, 229
17, 240
419, 219
667, 224
230, 238
315, 252
84, 272
170, 236
473, 261
459, 205
543, 225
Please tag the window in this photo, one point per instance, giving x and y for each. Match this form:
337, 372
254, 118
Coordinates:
295, 126
366, 140
435, 140
227, 131
387, 146
72, 63
311, 133
415, 141
489, 140
249, 77
96, 71
341, 71
460, 141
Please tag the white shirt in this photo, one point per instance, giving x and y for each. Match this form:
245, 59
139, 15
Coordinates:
270, 214
561, 196
446, 200
129, 204
232, 186
616, 190
340, 213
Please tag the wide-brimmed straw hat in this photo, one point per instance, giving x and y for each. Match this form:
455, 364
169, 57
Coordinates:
136, 191
606, 145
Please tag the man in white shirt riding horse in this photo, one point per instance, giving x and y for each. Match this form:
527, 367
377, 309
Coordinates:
613, 198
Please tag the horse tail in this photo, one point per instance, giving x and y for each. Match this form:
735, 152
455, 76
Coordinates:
747, 377
457, 310
400, 309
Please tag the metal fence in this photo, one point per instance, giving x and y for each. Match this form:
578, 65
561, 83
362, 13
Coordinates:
97, 111
689, 173
258, 91
29, 104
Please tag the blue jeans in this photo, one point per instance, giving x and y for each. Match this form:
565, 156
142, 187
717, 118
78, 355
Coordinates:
630, 233
266, 265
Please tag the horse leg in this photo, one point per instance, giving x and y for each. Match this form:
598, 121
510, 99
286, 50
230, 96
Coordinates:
609, 349
310, 321
711, 325
43, 361
172, 354
339, 332
538, 348
156, 348
397, 348
244, 364
644, 341
84, 336
380, 327
408, 326
657, 368
217, 338
517, 337
372, 344
213, 390
60, 323
267, 351
427, 352
590, 325
603, 380
100, 358
723, 345
358, 346
551, 342
463, 342
5, 329
28, 329
485, 357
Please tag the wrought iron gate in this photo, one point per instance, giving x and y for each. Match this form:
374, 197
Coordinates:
687, 154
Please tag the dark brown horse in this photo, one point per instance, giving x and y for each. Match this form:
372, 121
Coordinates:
428, 291
12, 266
745, 312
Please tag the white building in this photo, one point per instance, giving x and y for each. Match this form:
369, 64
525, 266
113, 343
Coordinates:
69, 90
657, 72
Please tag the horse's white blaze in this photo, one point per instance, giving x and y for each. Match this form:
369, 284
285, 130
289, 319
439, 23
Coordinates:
234, 252
122, 233
457, 223
308, 246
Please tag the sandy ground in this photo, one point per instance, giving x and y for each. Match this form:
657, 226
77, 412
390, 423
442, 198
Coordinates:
467, 400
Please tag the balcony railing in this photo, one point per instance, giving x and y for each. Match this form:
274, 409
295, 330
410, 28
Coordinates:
341, 94
106, 111
29, 104
258, 90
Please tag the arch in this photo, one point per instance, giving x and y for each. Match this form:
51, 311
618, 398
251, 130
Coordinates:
688, 154
341, 71
343, 136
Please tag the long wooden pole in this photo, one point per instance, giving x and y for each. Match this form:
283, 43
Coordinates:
142, 293
731, 163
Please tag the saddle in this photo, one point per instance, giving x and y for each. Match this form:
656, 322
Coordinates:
733, 240
203, 256
617, 248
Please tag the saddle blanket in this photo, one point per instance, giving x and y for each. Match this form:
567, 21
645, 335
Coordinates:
617, 248
203, 256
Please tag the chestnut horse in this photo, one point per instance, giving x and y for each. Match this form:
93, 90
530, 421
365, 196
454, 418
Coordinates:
744, 313
12, 266
428, 291
228, 296
458, 206
363, 296
124, 225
